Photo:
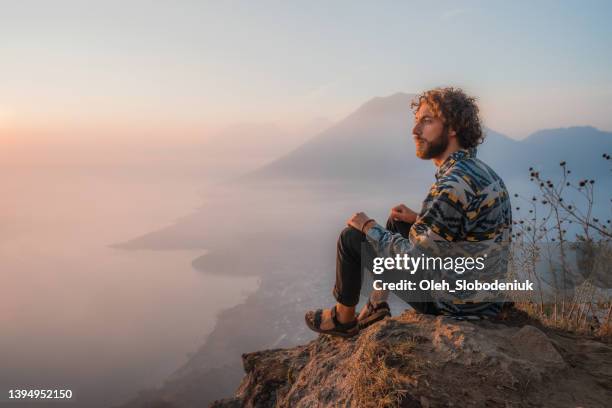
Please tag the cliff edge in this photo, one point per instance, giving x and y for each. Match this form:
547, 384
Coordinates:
426, 361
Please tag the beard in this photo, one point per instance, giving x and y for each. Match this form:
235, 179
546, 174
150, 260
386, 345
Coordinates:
428, 150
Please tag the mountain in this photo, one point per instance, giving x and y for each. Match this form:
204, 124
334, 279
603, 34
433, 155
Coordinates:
371, 154
375, 143
580, 146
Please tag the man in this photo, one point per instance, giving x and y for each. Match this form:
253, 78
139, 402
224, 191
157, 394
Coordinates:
468, 202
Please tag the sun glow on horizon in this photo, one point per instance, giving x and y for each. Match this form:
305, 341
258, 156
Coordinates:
6, 116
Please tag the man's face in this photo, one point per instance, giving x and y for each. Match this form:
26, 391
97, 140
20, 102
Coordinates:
429, 134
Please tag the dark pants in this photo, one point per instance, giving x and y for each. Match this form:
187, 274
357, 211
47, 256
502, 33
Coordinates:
351, 244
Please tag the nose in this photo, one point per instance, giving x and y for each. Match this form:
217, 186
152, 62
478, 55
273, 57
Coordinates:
417, 130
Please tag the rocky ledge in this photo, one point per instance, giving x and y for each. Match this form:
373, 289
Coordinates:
425, 361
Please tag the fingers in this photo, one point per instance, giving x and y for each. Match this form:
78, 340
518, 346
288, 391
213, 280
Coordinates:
402, 213
354, 220
400, 208
399, 211
395, 214
351, 222
358, 220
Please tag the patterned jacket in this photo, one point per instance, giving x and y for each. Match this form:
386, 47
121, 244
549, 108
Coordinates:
467, 202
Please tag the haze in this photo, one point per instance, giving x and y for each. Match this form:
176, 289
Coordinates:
205, 65
142, 144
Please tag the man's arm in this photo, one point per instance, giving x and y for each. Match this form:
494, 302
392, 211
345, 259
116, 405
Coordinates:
444, 220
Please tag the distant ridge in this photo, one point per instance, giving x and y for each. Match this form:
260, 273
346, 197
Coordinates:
370, 153
375, 143
369, 143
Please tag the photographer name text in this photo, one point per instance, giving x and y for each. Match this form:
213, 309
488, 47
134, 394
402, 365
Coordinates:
458, 285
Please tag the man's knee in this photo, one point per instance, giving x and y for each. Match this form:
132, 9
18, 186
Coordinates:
349, 237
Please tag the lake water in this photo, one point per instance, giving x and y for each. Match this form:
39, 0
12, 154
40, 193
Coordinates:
77, 314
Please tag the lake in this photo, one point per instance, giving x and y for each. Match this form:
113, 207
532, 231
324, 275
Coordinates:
77, 314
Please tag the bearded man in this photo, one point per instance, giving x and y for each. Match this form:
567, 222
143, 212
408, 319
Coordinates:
468, 202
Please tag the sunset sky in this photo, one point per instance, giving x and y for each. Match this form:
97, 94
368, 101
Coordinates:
76, 64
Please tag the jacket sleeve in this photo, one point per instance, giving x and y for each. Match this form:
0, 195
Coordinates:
443, 219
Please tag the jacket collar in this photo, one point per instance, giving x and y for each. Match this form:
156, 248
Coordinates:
461, 154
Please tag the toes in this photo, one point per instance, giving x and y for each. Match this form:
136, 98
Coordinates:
314, 318
311, 315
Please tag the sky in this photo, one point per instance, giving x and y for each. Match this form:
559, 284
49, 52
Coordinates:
205, 65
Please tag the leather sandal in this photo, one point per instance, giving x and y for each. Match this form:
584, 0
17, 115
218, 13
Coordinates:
374, 313
314, 319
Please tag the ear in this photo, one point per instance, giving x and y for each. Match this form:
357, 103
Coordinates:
452, 133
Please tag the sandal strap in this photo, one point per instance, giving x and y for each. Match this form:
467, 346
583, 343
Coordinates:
341, 326
317, 318
375, 307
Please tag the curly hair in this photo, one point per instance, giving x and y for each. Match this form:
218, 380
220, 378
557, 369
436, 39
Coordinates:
457, 111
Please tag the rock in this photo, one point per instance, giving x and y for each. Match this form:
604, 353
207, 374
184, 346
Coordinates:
423, 361
535, 346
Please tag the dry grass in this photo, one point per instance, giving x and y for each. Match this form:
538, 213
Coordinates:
576, 319
379, 373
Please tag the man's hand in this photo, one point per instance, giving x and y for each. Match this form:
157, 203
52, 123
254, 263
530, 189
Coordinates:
402, 213
358, 220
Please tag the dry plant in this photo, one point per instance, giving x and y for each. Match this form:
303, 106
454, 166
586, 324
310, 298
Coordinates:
573, 276
379, 379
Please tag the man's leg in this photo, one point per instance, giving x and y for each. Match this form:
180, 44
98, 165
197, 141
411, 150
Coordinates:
397, 227
348, 283
349, 274
348, 263
379, 296
347, 288
348, 271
